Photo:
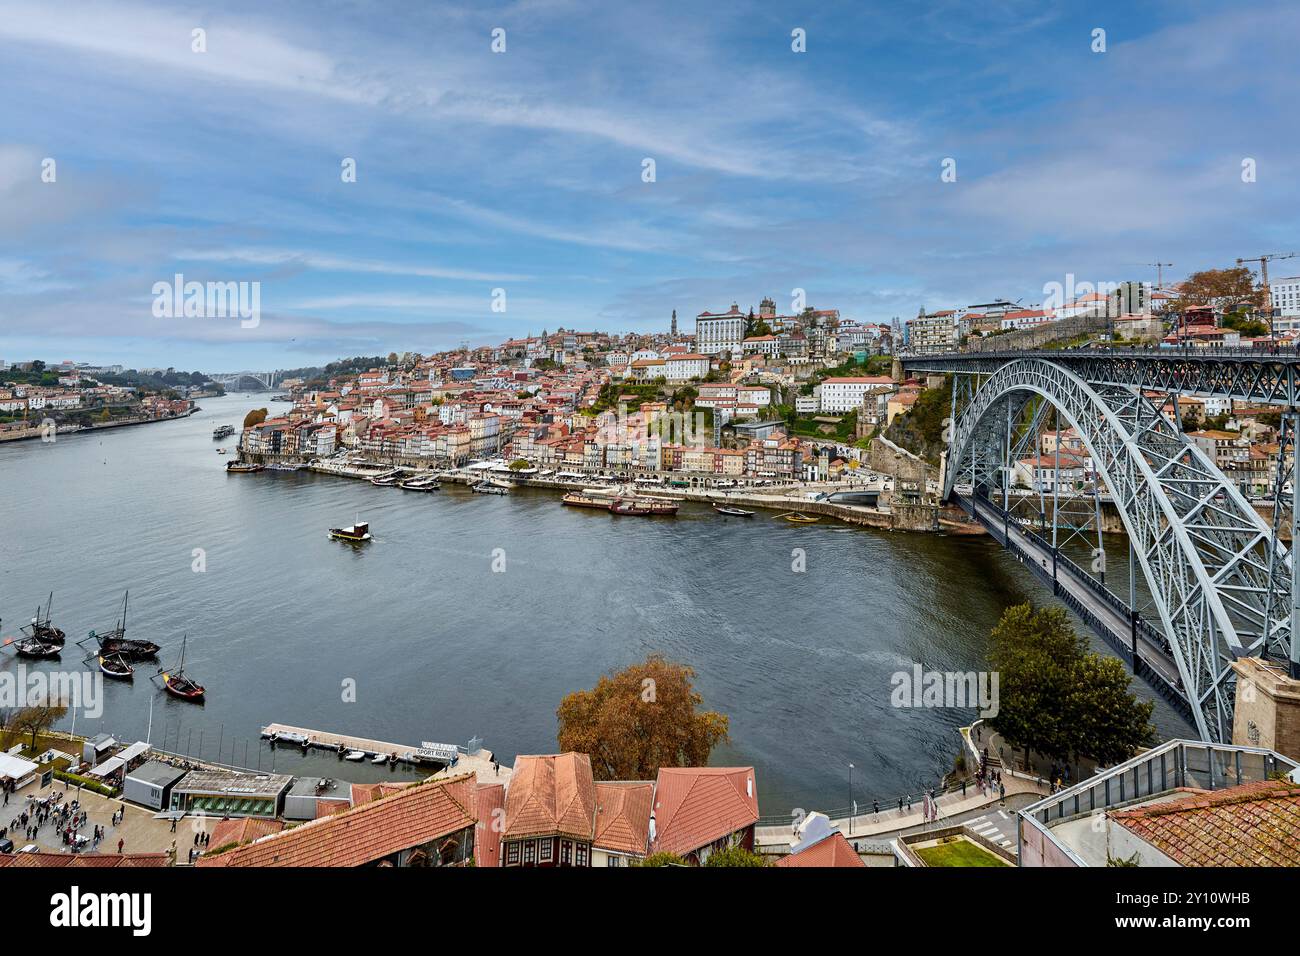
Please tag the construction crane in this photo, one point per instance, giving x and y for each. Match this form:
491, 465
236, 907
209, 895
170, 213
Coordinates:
1160, 274
1263, 261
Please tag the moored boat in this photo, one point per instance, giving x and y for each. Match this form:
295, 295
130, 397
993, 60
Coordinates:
798, 518
580, 499
243, 467
422, 483
178, 683
116, 666
42, 630
489, 488
116, 643
355, 755
733, 512
222, 431
33, 648
629, 506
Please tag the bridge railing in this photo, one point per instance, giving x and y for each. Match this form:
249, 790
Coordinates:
1190, 351
1119, 644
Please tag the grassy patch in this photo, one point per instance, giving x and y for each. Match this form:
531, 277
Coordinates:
958, 853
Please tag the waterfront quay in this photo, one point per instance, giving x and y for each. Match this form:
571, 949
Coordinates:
889, 512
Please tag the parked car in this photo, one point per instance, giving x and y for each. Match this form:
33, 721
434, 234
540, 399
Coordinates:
6, 846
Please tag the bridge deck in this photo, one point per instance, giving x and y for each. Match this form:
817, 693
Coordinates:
1101, 613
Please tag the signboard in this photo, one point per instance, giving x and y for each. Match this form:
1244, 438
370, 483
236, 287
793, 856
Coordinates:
434, 751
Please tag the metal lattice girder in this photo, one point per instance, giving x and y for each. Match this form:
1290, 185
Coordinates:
1203, 550
1253, 377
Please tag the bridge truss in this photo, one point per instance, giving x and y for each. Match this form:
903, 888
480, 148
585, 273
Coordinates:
1220, 583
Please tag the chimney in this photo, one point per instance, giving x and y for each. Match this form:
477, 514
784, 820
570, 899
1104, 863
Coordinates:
749, 786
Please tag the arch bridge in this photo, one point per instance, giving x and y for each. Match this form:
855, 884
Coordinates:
1209, 579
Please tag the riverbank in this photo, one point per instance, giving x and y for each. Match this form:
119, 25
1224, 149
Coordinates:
895, 516
36, 431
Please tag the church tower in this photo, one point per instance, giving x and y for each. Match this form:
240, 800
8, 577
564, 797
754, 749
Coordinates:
674, 326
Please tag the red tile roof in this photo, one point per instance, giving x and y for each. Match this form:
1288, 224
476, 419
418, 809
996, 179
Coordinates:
491, 801
551, 794
623, 816
414, 816
1256, 824
694, 806
243, 830
833, 850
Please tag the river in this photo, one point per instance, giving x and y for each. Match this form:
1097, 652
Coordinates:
441, 647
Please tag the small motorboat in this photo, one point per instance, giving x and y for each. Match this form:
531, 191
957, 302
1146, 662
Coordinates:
379, 758
733, 512
355, 755
222, 431
798, 518
489, 488
221, 451
356, 533
116, 666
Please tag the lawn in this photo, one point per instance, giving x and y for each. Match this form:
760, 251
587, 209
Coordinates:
958, 853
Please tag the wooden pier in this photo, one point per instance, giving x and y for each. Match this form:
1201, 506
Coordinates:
481, 762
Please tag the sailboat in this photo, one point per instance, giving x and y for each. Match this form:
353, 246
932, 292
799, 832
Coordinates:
44, 641
178, 684
115, 642
116, 666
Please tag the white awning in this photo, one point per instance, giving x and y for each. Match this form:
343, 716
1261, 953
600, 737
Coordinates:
107, 767
16, 768
133, 751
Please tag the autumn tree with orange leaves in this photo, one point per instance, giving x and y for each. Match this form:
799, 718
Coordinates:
639, 719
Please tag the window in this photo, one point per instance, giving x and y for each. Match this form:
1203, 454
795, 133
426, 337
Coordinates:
582, 854
529, 849
512, 853
566, 852
613, 860
544, 850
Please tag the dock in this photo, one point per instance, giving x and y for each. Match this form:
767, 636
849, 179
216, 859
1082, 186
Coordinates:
481, 762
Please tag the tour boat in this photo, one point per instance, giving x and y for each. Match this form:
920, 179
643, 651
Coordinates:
243, 467
178, 684
579, 499
116, 643
222, 431
360, 531
797, 518
422, 483
116, 667
384, 481
490, 488
628, 506
733, 512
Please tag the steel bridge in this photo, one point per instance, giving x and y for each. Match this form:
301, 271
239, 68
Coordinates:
267, 380
1216, 583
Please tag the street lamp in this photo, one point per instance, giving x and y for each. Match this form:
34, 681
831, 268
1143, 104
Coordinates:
850, 799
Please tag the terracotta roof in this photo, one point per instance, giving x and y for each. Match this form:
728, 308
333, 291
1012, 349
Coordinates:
243, 830
694, 806
414, 816
834, 850
84, 860
623, 816
490, 799
552, 794
1256, 824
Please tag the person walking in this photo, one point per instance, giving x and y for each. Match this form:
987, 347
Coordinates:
120, 843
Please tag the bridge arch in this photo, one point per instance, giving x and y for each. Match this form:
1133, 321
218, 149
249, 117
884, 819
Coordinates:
1204, 552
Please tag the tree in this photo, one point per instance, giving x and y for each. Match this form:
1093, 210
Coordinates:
255, 417
1106, 722
1034, 650
734, 856
639, 719
662, 859
1056, 697
1218, 287
37, 719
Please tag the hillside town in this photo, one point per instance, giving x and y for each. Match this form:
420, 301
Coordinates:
753, 396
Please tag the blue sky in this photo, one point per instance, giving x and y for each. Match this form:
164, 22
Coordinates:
522, 170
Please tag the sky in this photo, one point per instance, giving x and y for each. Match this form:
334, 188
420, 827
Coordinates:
498, 194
